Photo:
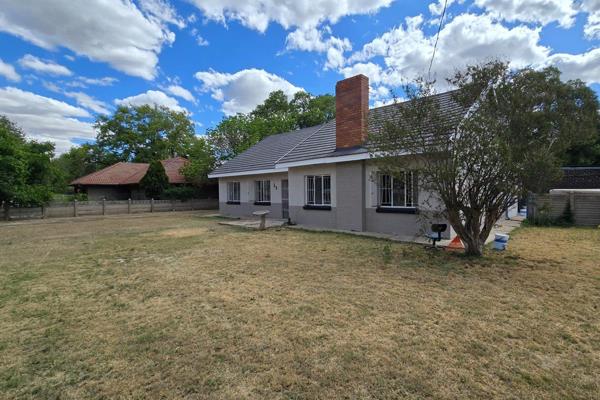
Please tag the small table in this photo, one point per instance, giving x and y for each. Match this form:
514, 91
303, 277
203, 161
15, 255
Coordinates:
263, 218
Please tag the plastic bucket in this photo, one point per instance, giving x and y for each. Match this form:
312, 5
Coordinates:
500, 241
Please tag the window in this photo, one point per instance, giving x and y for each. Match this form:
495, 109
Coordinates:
233, 192
262, 192
398, 191
318, 190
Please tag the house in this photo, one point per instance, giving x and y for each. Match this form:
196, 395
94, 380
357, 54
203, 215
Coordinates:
324, 177
579, 178
121, 181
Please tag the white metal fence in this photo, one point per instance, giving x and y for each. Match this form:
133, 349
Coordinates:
105, 207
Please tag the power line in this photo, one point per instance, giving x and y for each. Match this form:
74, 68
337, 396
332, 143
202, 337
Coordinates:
437, 38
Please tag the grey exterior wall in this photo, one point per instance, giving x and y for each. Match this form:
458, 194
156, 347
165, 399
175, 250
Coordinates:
314, 218
247, 206
350, 183
411, 225
246, 209
108, 192
353, 201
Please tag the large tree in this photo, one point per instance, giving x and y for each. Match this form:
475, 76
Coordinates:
25, 168
201, 161
276, 114
512, 139
80, 161
144, 133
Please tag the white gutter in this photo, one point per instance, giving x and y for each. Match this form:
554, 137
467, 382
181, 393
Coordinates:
324, 160
255, 172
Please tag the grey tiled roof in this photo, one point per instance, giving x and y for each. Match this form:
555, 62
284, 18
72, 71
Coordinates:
579, 178
265, 153
319, 141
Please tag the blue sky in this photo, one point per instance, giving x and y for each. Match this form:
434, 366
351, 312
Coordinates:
63, 62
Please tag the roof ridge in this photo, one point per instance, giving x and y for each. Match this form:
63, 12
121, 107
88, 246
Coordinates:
300, 142
409, 100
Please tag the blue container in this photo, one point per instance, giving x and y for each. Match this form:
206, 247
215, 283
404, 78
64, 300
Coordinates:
500, 241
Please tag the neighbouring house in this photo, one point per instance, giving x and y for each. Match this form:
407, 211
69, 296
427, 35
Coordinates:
579, 178
121, 181
323, 176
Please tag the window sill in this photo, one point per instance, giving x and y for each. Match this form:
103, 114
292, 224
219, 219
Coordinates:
397, 210
233, 202
316, 207
262, 203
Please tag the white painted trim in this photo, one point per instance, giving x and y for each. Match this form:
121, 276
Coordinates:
244, 173
325, 160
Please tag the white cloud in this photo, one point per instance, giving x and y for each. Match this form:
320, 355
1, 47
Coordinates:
466, 39
111, 31
105, 81
243, 91
201, 41
182, 92
584, 66
311, 39
592, 25
437, 8
89, 102
43, 66
45, 119
372, 70
152, 97
162, 11
534, 11
257, 14
9, 72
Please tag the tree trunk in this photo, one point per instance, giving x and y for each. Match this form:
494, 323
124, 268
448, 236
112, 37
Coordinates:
473, 246
469, 231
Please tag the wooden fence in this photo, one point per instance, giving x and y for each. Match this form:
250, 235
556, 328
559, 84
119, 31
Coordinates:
584, 206
106, 207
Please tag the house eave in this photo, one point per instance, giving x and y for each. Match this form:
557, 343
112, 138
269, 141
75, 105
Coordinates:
325, 160
245, 173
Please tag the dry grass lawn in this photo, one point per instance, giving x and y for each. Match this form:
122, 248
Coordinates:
174, 305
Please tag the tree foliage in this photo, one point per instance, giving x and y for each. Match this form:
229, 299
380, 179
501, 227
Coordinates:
512, 140
201, 161
155, 182
25, 168
144, 133
276, 114
584, 154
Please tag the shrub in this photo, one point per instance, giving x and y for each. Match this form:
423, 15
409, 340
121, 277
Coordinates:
181, 193
155, 182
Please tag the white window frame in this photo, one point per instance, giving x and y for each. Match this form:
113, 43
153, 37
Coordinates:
233, 192
408, 195
312, 196
262, 191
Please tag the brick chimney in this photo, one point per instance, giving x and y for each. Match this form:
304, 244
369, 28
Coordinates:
351, 111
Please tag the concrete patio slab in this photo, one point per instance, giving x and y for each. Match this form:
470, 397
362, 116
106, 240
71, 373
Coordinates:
255, 223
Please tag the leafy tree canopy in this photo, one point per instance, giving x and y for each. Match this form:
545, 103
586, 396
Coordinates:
201, 161
144, 133
276, 114
26, 172
513, 140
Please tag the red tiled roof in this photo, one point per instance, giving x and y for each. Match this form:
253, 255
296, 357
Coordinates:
123, 173
172, 167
